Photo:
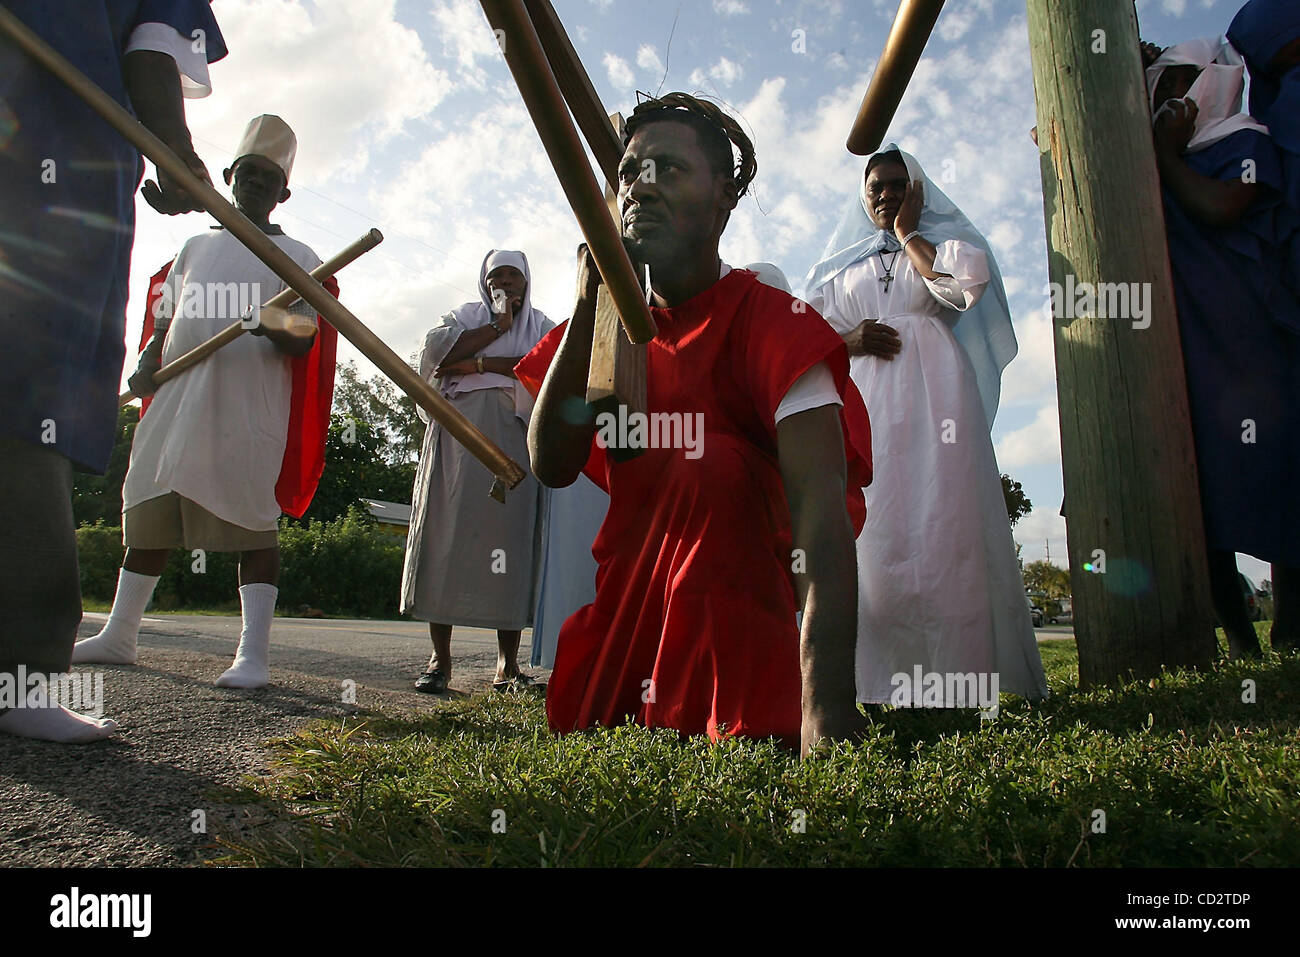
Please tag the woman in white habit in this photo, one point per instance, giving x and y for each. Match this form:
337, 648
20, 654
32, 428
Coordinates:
912, 288
471, 560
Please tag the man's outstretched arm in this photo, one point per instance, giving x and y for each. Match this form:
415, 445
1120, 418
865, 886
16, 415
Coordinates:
558, 447
154, 87
810, 446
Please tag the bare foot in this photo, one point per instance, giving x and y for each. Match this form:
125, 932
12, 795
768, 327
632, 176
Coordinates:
39, 718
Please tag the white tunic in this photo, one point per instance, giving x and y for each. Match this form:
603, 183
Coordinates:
938, 581
216, 433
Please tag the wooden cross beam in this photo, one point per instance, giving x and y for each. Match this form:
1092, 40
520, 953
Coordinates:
553, 83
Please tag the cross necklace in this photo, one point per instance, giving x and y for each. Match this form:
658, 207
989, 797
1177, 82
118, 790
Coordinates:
888, 277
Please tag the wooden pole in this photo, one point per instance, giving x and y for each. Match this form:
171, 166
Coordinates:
281, 300
907, 38
579, 92
1136, 543
259, 244
617, 371
546, 105
616, 375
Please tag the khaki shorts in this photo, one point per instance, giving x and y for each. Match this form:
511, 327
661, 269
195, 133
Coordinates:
171, 521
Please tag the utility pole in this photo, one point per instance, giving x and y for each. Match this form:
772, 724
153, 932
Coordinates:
1134, 530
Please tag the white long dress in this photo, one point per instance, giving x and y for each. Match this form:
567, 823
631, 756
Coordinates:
938, 581
566, 580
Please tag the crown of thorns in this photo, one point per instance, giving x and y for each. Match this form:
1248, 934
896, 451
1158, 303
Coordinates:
744, 169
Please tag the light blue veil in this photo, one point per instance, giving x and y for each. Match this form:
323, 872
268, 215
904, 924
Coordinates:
984, 330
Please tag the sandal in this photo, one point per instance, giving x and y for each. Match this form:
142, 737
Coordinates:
519, 684
432, 682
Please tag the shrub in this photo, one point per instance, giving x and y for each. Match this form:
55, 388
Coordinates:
346, 567
99, 554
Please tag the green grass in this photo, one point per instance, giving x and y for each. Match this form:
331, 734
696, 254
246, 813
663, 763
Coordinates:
1185, 772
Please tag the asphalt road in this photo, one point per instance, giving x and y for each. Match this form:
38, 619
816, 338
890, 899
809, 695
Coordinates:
183, 744
377, 654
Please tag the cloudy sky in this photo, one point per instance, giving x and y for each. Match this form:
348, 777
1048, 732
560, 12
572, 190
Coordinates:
408, 120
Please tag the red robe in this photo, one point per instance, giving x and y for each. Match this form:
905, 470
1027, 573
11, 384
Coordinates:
693, 626
309, 410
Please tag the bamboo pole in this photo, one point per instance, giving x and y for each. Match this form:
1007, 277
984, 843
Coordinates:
312, 292
546, 105
907, 38
1136, 543
281, 300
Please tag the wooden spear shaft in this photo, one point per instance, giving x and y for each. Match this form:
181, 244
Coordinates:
312, 292
907, 38
546, 106
281, 300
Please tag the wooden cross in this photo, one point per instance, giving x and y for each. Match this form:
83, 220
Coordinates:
553, 83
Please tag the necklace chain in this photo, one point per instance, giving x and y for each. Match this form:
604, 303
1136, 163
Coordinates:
888, 277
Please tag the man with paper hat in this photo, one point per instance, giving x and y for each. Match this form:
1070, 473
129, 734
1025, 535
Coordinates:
224, 448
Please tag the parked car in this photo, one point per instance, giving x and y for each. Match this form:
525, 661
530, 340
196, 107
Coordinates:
1035, 613
1255, 600
1064, 612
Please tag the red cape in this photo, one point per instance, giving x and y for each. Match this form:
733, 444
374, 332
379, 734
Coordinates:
309, 410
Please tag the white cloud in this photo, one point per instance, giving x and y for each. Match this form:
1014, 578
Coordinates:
466, 39
724, 71
730, 8
1037, 443
647, 58
1031, 376
1043, 529
346, 77
620, 74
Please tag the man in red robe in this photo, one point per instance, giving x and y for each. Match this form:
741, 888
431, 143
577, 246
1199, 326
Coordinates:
704, 547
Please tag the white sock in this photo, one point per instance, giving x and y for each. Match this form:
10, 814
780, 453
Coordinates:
116, 642
40, 718
250, 669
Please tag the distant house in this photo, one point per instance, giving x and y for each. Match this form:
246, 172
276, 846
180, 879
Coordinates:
393, 517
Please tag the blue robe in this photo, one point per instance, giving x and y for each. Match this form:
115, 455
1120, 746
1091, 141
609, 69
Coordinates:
1259, 31
67, 221
1240, 326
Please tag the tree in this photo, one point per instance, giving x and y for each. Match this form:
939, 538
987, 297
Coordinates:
372, 447
1018, 504
389, 412
99, 497
1042, 576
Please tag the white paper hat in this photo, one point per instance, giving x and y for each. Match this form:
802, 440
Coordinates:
269, 137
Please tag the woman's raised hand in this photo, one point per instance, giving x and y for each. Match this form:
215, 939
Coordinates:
908, 217
504, 308
1175, 125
